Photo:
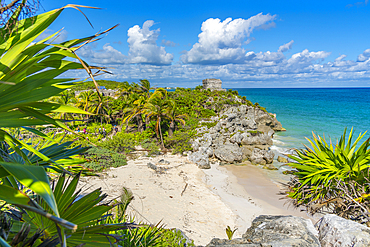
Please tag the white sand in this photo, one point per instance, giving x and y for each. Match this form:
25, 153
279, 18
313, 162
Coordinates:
199, 202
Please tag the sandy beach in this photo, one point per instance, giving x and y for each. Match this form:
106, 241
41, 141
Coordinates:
202, 203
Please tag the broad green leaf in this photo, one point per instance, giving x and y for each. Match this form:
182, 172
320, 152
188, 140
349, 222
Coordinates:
13, 196
35, 178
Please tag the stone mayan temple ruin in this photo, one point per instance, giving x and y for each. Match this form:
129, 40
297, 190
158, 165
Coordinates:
213, 84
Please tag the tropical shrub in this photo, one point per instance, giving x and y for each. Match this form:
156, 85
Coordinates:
99, 159
28, 77
126, 142
333, 178
173, 238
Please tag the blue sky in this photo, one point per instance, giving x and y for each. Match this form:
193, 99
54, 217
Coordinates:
243, 43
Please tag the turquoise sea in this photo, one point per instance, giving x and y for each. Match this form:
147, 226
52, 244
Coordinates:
303, 110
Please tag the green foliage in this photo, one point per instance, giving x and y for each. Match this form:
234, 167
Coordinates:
180, 141
103, 83
255, 132
173, 238
329, 175
208, 124
125, 142
230, 232
99, 159
29, 75
84, 209
142, 236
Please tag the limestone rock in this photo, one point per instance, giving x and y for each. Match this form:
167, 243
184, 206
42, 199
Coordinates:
237, 138
261, 157
240, 242
247, 151
282, 159
282, 231
274, 231
335, 231
229, 153
256, 138
270, 167
237, 126
201, 159
264, 118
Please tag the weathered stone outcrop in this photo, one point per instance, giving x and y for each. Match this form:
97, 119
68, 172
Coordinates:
277, 231
282, 159
289, 231
336, 231
242, 133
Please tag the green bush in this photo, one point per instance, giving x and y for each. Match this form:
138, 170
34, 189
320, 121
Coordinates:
180, 141
174, 238
122, 142
208, 124
101, 158
125, 142
333, 178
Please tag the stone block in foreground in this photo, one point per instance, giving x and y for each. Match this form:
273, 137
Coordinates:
276, 231
334, 231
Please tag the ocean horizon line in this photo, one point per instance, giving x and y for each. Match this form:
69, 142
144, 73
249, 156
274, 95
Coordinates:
297, 87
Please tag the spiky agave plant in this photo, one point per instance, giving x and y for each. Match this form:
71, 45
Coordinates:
327, 174
29, 74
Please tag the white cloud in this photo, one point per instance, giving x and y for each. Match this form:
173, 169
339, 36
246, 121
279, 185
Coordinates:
270, 68
364, 56
305, 57
286, 46
301, 68
220, 42
143, 47
169, 43
108, 55
219, 54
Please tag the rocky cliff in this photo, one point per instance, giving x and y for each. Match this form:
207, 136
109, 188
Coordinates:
240, 134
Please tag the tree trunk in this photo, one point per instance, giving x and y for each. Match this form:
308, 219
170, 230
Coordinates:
140, 124
171, 130
160, 132
147, 122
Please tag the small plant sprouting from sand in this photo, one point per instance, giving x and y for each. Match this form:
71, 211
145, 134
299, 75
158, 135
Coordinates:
230, 233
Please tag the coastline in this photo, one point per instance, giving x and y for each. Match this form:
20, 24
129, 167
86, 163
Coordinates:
201, 203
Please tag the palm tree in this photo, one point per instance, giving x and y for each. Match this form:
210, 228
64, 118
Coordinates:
140, 98
157, 107
125, 89
100, 106
144, 88
85, 99
135, 111
173, 117
66, 98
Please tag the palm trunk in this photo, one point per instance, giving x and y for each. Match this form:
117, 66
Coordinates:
171, 130
147, 122
140, 124
160, 132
